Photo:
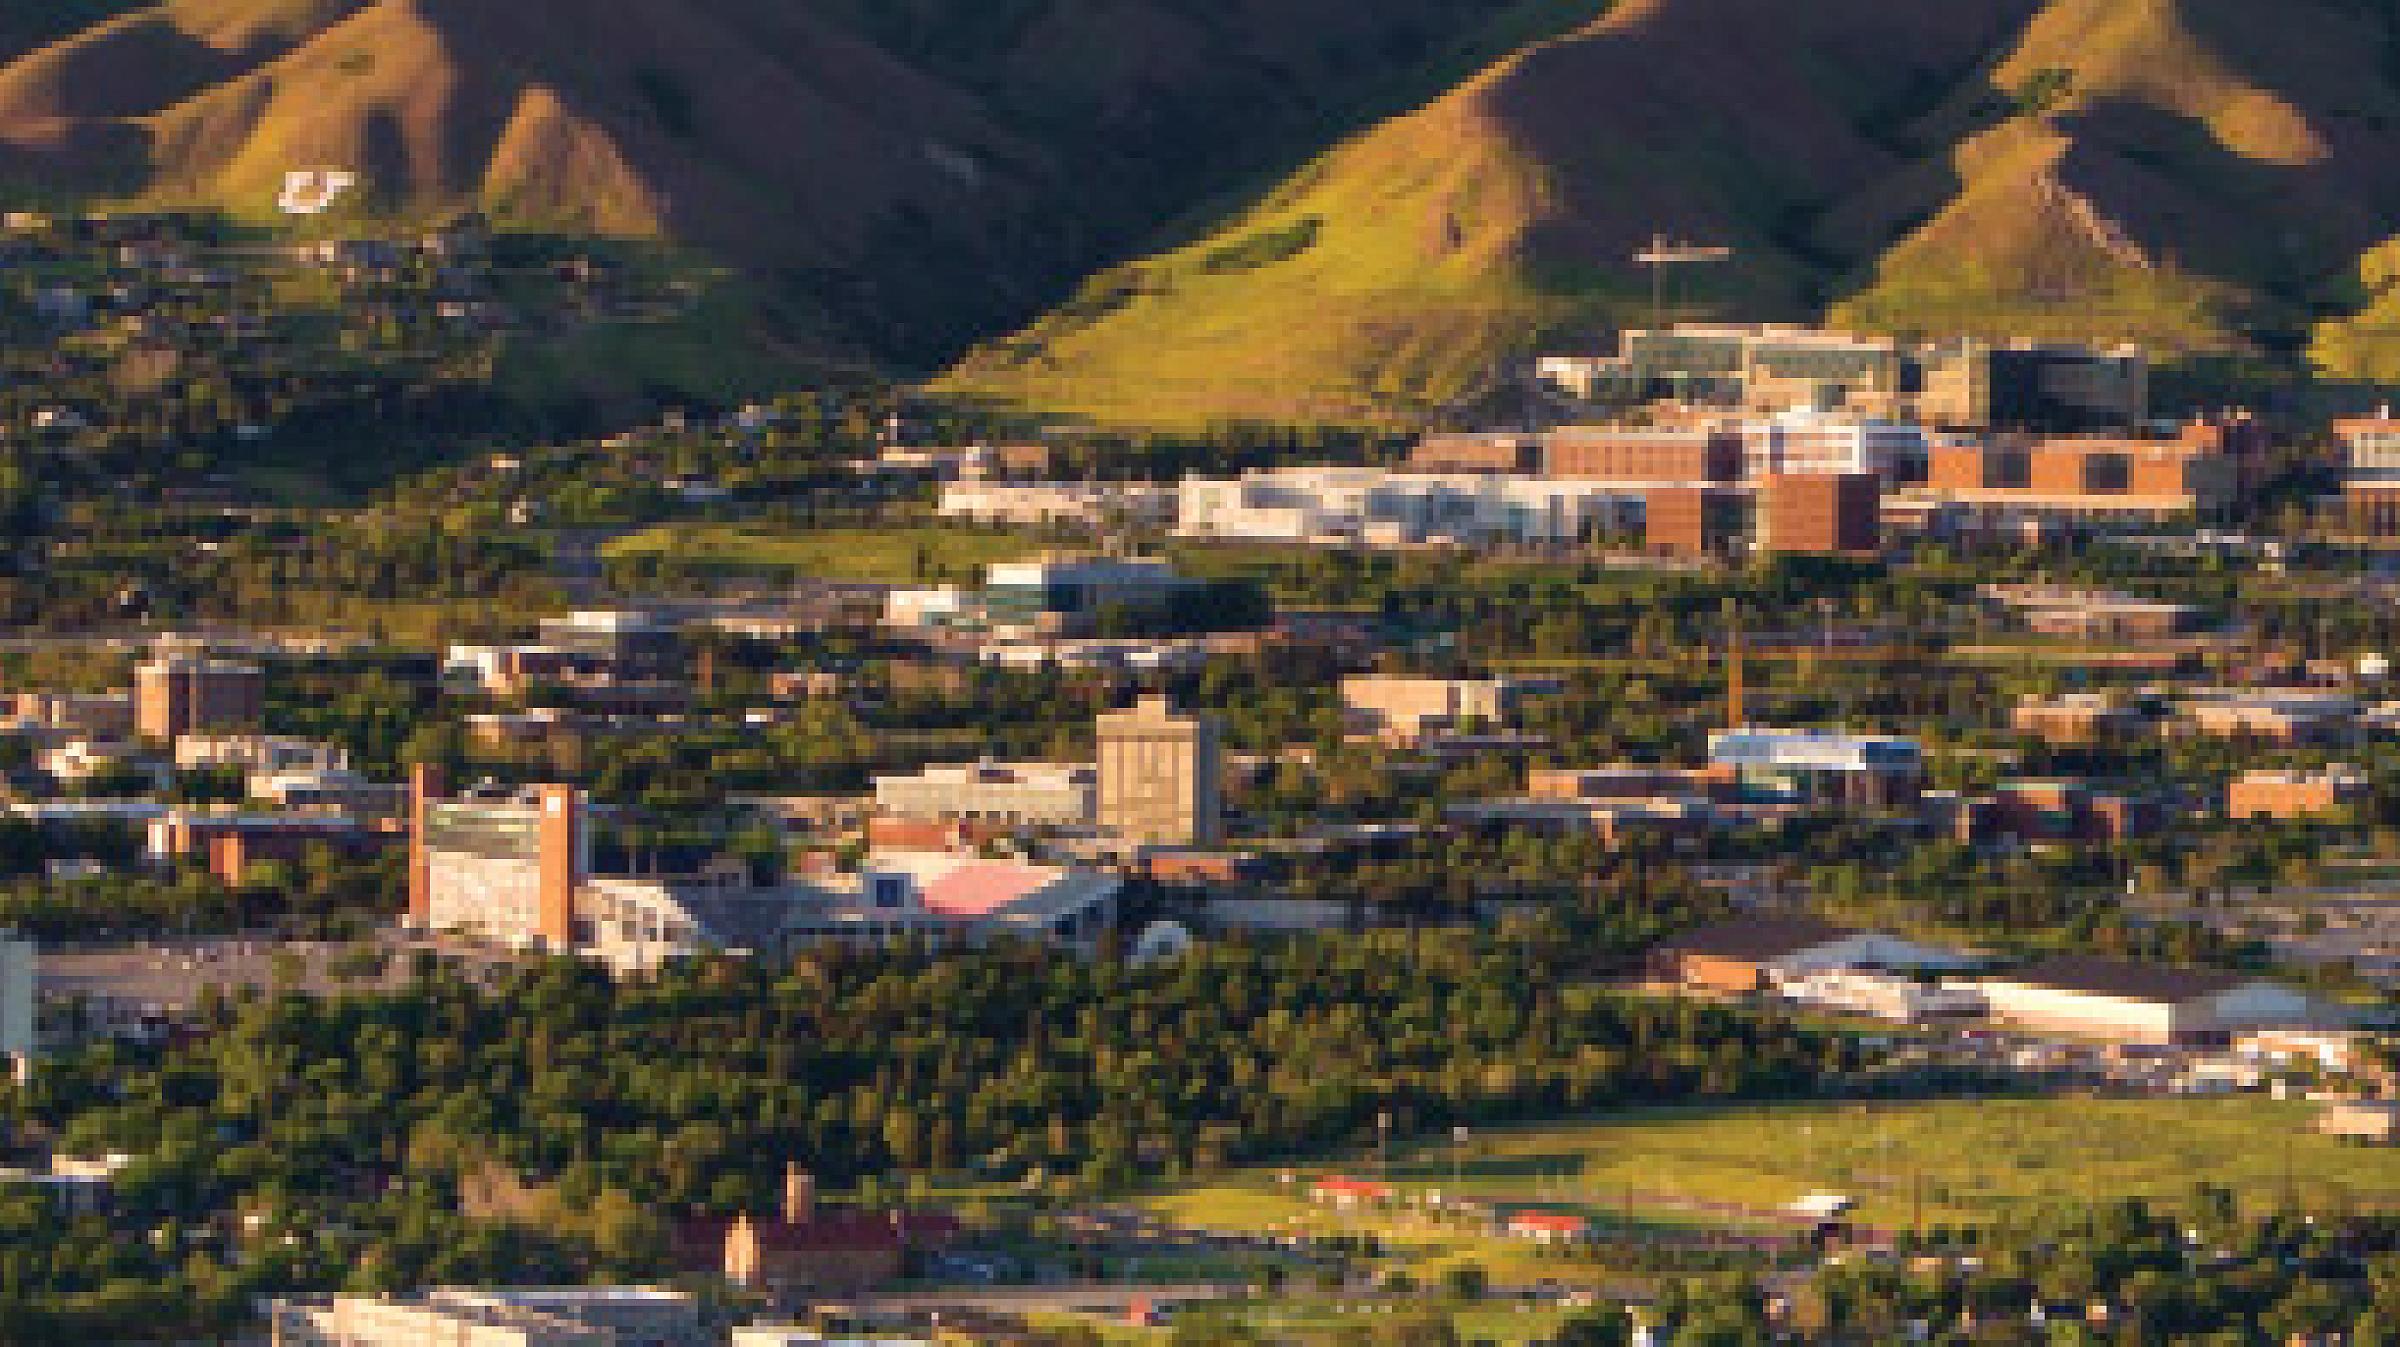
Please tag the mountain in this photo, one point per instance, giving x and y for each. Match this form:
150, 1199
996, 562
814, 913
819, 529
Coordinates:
920, 171
1335, 211
2191, 173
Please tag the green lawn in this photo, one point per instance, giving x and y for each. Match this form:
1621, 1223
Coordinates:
896, 555
1293, 1318
1967, 1161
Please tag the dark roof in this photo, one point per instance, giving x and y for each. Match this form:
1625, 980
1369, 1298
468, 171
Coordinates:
2118, 977
1757, 938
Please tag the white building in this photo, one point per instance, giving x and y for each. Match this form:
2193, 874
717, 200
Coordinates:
2142, 1002
263, 753
80, 760
1091, 504
926, 606
561, 1317
1802, 442
336, 791
1033, 794
1341, 505
1884, 996
1051, 594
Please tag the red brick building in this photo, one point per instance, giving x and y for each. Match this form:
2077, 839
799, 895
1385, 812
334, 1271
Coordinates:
1821, 513
1636, 455
1695, 521
810, 1249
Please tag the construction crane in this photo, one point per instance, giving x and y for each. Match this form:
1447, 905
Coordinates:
1663, 253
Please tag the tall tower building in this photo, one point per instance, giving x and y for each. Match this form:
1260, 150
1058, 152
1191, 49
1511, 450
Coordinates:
1159, 775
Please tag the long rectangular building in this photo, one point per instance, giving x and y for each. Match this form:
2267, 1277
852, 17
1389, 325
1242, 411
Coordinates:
1014, 794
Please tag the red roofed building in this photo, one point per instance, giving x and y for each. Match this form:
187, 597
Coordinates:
1549, 1227
811, 1249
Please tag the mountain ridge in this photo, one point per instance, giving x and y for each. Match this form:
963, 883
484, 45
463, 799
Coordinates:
1056, 189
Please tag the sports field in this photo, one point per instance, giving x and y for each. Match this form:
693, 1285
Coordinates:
887, 556
1943, 1162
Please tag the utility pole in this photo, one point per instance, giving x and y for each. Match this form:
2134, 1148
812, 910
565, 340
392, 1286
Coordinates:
1916, 1202
1737, 690
1663, 253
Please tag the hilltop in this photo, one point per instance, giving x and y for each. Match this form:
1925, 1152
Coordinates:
2195, 174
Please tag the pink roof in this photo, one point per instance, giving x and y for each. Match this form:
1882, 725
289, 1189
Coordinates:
985, 887
1546, 1220
1339, 1186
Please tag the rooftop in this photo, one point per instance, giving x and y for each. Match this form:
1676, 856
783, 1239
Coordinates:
1758, 937
2126, 979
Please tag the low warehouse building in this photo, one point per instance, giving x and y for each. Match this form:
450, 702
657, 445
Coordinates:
2372, 1121
2142, 1002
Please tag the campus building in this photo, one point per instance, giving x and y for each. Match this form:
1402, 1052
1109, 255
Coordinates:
1047, 596
1035, 504
579, 1316
810, 1248
2325, 792
176, 694
2152, 1004
91, 715
1820, 766
1755, 954
1966, 384
2009, 486
2371, 471
1403, 710
1820, 513
516, 871
1380, 508
1018, 795
1160, 776
1064, 594
631, 643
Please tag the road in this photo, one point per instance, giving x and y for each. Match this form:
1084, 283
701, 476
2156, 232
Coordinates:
167, 976
1064, 1298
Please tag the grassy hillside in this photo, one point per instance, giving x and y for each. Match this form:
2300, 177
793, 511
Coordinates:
2195, 174
2182, 172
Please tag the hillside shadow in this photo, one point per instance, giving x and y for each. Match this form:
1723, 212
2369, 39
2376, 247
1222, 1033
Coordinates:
2193, 202
1633, 122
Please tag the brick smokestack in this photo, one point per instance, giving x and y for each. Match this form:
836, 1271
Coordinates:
425, 785
561, 865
